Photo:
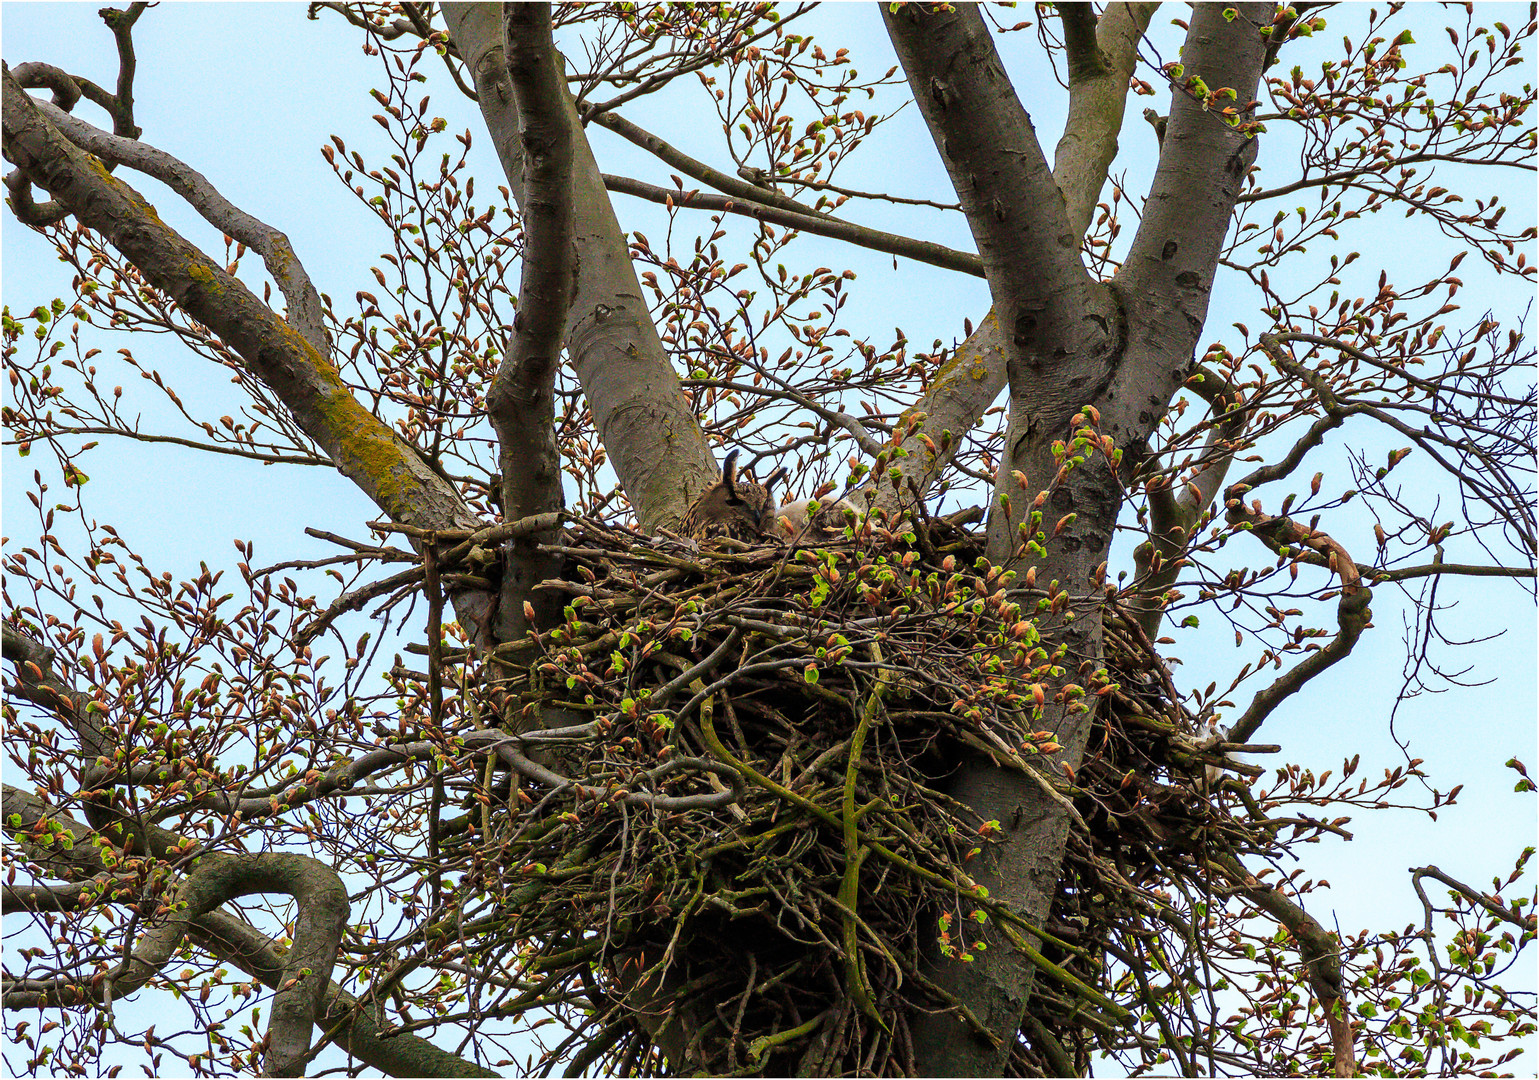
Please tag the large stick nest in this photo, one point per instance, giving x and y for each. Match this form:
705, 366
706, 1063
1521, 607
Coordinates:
729, 830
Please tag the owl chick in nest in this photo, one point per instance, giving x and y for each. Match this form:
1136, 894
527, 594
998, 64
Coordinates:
813, 519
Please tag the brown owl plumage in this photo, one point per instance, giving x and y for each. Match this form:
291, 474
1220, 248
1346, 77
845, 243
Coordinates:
733, 506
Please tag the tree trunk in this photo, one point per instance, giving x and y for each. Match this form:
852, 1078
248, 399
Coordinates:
1068, 343
638, 405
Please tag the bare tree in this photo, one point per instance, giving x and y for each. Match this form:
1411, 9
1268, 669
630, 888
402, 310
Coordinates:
882, 793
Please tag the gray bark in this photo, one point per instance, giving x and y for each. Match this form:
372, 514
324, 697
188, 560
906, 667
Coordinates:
521, 398
1061, 337
1167, 277
976, 373
318, 892
653, 439
304, 303
234, 941
1066, 344
1098, 94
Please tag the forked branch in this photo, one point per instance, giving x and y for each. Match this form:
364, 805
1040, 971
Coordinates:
364, 449
304, 303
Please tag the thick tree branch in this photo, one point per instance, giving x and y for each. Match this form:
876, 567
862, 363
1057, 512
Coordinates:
1352, 612
1166, 281
1102, 55
642, 415
1086, 61
521, 399
121, 23
965, 386
1047, 305
67, 90
304, 310
1203, 162
1060, 335
975, 374
991, 151
364, 449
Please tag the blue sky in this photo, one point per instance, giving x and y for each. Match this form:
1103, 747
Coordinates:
247, 93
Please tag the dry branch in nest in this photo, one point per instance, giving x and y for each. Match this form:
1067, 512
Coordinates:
716, 816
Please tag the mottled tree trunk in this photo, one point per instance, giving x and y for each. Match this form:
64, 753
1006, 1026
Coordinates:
638, 405
1067, 342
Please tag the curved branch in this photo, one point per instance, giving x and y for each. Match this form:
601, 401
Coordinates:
67, 90
1352, 612
347, 1021
230, 939
214, 879
66, 93
1318, 948
40, 76
1525, 921
304, 310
